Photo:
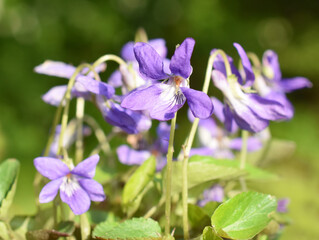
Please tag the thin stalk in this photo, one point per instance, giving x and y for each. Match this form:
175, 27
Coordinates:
169, 176
85, 227
243, 157
189, 141
80, 103
108, 57
154, 208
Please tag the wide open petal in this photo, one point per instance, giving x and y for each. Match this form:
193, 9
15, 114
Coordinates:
51, 168
292, 84
86, 168
96, 87
200, 104
250, 76
168, 102
50, 190
142, 98
93, 189
150, 62
55, 68
129, 156
76, 197
181, 61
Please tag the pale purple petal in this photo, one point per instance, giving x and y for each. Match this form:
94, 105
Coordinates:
271, 65
160, 162
292, 84
285, 108
150, 62
55, 95
229, 121
142, 98
253, 144
200, 104
93, 189
51, 168
250, 76
55, 68
180, 62
163, 133
50, 190
218, 109
129, 156
127, 52
159, 45
96, 87
86, 168
203, 151
115, 80
76, 197
216, 193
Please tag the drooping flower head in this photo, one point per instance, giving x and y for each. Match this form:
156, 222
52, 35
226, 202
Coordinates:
163, 98
77, 188
248, 109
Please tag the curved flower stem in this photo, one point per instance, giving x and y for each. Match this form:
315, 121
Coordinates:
169, 176
80, 103
243, 157
190, 139
108, 57
254, 58
67, 98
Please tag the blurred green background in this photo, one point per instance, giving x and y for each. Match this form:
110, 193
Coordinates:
75, 31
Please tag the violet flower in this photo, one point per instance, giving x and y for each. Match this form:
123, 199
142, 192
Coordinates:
270, 84
214, 194
216, 141
249, 110
282, 205
142, 151
162, 99
77, 188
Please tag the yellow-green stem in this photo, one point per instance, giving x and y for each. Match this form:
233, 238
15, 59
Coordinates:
243, 157
108, 57
169, 176
80, 103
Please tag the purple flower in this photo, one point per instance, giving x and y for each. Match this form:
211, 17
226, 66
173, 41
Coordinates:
77, 188
282, 205
163, 98
215, 193
142, 151
249, 110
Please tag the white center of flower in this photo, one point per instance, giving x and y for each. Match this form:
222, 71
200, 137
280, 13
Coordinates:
69, 185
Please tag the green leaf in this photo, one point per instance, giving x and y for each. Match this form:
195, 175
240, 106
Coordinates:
253, 173
98, 216
197, 217
200, 171
66, 227
210, 207
137, 182
136, 228
3, 231
21, 225
9, 171
209, 234
45, 234
244, 215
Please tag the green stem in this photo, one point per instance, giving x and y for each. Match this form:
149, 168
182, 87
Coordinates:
80, 103
154, 208
243, 157
108, 57
85, 227
189, 141
169, 176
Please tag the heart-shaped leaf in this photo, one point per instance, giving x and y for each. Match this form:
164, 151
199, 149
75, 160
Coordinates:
244, 215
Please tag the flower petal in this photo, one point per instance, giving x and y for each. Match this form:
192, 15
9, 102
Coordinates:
93, 189
96, 87
159, 45
50, 190
285, 108
250, 76
200, 104
55, 68
51, 168
292, 84
180, 63
115, 80
86, 168
150, 62
127, 52
129, 156
55, 95
76, 197
271, 65
253, 144
142, 98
